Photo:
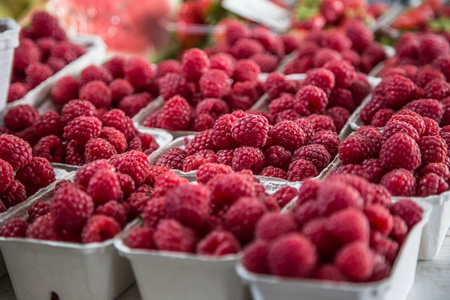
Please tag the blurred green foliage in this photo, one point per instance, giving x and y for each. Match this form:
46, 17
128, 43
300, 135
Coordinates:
14, 8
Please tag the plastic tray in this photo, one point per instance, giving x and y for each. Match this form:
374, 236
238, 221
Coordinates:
169, 275
436, 229
94, 55
395, 287
9, 40
72, 271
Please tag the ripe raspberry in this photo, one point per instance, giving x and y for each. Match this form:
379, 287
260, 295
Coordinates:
359, 34
324, 55
246, 157
166, 67
278, 157
440, 169
429, 108
321, 122
50, 123
202, 122
14, 228
287, 115
394, 127
165, 182
50, 147
399, 182
351, 169
140, 238
267, 62
37, 73
115, 66
275, 85
133, 104
174, 84
285, 195
26, 54
431, 46
309, 100
208, 171
300, 170
82, 129
213, 107
374, 169
281, 104
343, 71
78, 108
254, 257
339, 115
322, 78
408, 210
225, 156
132, 163
154, 211
315, 153
138, 71
337, 195
307, 128
45, 228
71, 207
224, 62
16, 91
37, 174
98, 93
227, 188
273, 225
84, 174
408, 116
38, 209
288, 135
99, 228
431, 184
271, 171
95, 73
104, 186
355, 261
172, 236
316, 231
74, 154
399, 230
202, 141
20, 117
400, 151
193, 162
245, 48
251, 130
292, 255
379, 218
427, 74
98, 148
246, 70
235, 30
433, 149
15, 151
115, 138
172, 159
218, 243
176, 114
117, 119
355, 149
194, 64
215, 84
340, 97
6, 175
431, 127
120, 88
137, 202
329, 272
328, 139
399, 91
115, 210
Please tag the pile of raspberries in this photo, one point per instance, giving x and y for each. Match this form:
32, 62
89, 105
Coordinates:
205, 88
21, 174
329, 94
341, 229
416, 79
409, 157
292, 150
127, 84
356, 45
81, 134
44, 50
215, 217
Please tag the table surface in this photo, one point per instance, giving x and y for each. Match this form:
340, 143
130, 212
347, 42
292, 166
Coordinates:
432, 280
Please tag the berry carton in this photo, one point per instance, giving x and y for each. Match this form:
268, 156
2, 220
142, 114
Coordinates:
9, 39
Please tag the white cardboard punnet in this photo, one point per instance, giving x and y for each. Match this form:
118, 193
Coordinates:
395, 287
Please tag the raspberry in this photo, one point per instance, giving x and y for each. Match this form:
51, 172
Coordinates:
173, 84
26, 54
355, 149
213, 107
324, 55
78, 108
145, 189
115, 138
154, 211
336, 195
359, 34
45, 228
339, 115
172, 159
275, 85
399, 182
194, 64
98, 93
138, 71
271, 171
383, 245
43, 25
440, 169
399, 91
300, 170
254, 257
431, 46
251, 130
37, 73
166, 67
379, 218
394, 127
288, 135
165, 182
408, 210
436, 89
120, 88
115, 210
193, 162
281, 104
222, 61
202, 122
343, 71
202, 141
99, 228
50, 123
429, 108
172, 236
351, 169
285, 195
355, 261
309, 100
292, 255
360, 88
227, 188
14, 228
6, 175
266, 62
273, 225
117, 119
431, 184
115, 66
140, 238
328, 139
278, 157
20, 117
399, 230
84, 174
225, 157
321, 78
104, 186
15, 151
176, 114
133, 104
315, 153
321, 122
37, 174
98, 149
400, 151
246, 70
245, 48
95, 73
50, 147
415, 120
71, 207
374, 169
329, 272
291, 41
235, 30
132, 163
16, 91
82, 129
208, 171
248, 158
74, 154
431, 127
427, 74
137, 202
287, 115
218, 243
433, 149
341, 98
215, 83
38, 209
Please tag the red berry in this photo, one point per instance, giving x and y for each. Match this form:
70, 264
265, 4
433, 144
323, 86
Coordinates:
140, 238
172, 236
14, 228
133, 163
251, 130
400, 151
218, 243
45, 228
355, 261
99, 228
104, 186
138, 71
399, 182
